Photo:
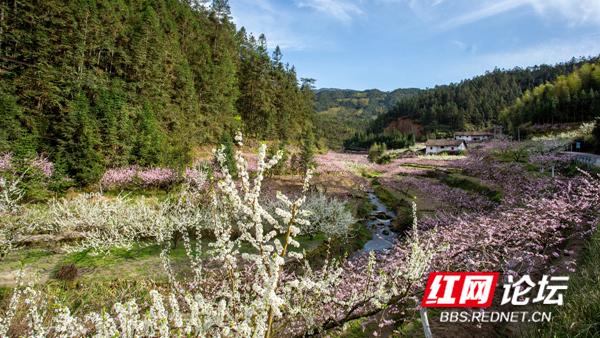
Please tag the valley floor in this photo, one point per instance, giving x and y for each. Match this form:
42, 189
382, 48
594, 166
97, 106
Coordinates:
437, 187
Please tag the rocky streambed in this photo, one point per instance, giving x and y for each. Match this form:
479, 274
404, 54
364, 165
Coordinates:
379, 223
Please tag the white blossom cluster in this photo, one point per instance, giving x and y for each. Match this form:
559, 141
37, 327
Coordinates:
422, 253
11, 213
10, 193
328, 215
102, 222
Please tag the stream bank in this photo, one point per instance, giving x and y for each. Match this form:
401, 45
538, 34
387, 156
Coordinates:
379, 221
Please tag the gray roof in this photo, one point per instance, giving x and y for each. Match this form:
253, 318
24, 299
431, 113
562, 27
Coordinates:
438, 143
473, 133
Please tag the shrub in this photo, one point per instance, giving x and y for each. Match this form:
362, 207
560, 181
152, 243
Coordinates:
307, 154
227, 143
328, 215
364, 208
67, 272
37, 176
385, 159
375, 152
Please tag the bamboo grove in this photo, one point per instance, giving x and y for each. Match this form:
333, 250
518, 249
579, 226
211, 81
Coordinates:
572, 98
101, 83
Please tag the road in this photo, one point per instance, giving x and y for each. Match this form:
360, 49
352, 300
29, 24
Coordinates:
594, 159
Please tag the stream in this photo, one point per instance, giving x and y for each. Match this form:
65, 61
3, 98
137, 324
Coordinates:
383, 237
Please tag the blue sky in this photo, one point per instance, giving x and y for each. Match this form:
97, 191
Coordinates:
389, 44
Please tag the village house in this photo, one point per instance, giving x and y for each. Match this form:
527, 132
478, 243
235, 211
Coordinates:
436, 146
473, 135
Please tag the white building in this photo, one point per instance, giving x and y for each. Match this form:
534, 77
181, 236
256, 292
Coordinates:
473, 135
436, 146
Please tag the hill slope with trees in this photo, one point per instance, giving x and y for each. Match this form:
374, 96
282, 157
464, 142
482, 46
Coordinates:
572, 98
472, 104
103, 83
342, 112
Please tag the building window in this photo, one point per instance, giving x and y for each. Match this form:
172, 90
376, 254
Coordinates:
452, 148
442, 147
430, 148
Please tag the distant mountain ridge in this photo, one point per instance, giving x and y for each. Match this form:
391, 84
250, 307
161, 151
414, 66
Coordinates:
332, 89
342, 112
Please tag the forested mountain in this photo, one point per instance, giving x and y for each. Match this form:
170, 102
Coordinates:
570, 98
98, 83
473, 104
342, 112
358, 105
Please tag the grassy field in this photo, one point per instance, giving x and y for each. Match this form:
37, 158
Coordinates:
142, 261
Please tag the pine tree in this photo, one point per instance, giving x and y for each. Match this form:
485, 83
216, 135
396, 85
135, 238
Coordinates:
307, 154
411, 139
148, 142
295, 164
281, 166
10, 116
227, 141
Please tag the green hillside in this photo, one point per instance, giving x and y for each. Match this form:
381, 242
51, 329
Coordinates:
568, 99
100, 83
342, 112
472, 104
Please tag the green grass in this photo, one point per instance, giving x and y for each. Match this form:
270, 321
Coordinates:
34, 255
339, 247
419, 166
305, 241
355, 329
580, 315
470, 184
83, 297
362, 235
119, 256
141, 261
385, 196
364, 208
160, 195
373, 174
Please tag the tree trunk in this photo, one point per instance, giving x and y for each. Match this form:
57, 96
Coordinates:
176, 237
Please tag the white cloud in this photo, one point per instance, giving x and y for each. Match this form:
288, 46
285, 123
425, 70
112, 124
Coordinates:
338, 9
549, 52
576, 12
471, 48
458, 43
442, 15
278, 25
481, 13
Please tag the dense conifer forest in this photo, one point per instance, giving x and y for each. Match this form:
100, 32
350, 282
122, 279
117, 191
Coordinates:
477, 103
97, 84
